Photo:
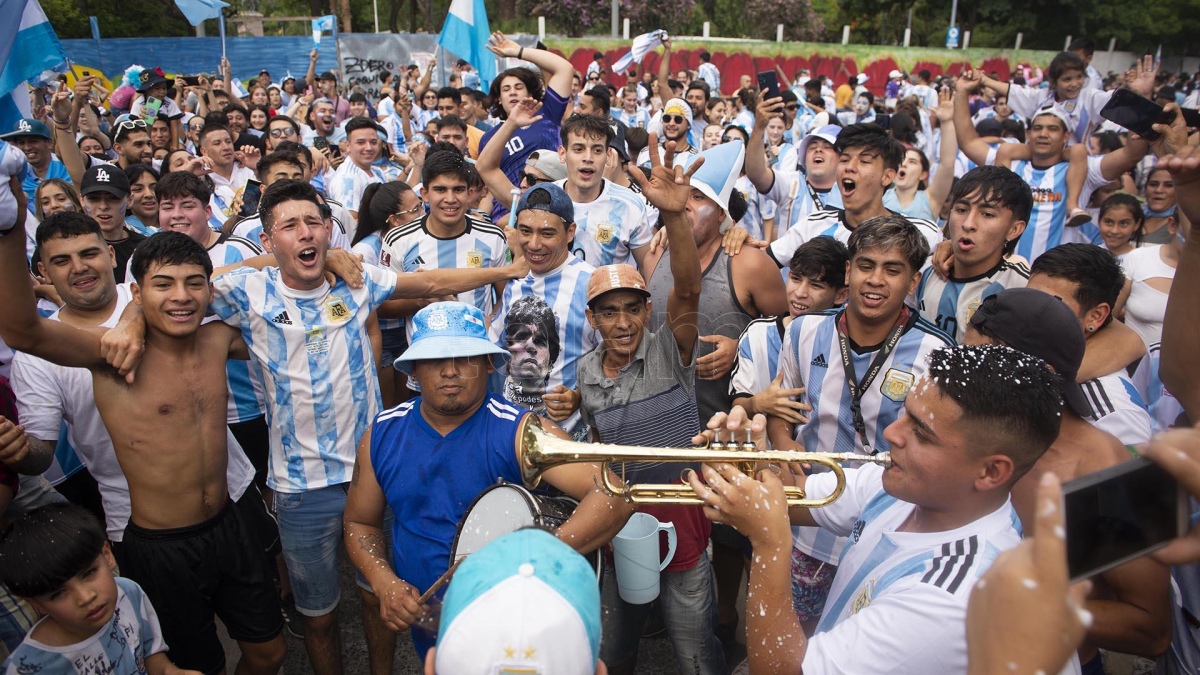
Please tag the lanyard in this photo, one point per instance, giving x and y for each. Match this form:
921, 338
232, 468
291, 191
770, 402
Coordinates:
859, 387
813, 193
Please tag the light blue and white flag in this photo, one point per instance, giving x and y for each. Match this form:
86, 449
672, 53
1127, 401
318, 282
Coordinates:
642, 45
322, 24
466, 34
198, 11
30, 52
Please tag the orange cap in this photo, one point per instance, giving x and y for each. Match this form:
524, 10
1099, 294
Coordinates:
615, 278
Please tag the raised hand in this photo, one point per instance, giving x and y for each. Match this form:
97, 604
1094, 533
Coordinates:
767, 109
526, 112
1143, 76
500, 45
669, 187
945, 109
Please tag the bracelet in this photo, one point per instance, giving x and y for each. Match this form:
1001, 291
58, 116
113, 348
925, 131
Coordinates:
520, 52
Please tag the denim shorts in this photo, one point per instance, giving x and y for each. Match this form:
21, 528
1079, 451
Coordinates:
310, 529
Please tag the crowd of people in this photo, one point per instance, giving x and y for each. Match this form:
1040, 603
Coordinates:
251, 325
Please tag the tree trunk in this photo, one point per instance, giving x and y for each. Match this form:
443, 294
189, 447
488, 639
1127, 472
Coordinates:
394, 16
427, 5
344, 16
316, 7
412, 16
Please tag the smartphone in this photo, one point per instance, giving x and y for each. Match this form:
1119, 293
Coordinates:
250, 196
87, 73
768, 85
150, 111
1134, 112
321, 143
191, 80
1119, 514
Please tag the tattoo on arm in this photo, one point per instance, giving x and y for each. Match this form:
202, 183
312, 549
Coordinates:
372, 543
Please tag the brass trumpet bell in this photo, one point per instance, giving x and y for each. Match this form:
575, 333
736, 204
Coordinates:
539, 451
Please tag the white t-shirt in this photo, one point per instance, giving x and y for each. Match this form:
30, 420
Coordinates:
48, 394
1118, 408
899, 600
1146, 306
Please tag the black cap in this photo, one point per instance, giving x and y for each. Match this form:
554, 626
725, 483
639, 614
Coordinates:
618, 142
989, 127
149, 78
328, 75
1040, 325
105, 178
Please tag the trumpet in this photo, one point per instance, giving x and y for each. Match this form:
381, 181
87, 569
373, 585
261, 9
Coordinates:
538, 451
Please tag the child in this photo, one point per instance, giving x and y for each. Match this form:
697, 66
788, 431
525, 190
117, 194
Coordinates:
57, 559
1080, 104
816, 281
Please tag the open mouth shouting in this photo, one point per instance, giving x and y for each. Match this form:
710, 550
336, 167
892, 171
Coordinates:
308, 255
848, 186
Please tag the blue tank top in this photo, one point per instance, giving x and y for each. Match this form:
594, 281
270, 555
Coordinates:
429, 480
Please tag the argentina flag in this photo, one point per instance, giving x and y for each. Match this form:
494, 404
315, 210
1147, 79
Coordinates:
466, 34
30, 51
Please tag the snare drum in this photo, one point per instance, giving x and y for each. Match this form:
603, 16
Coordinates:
507, 507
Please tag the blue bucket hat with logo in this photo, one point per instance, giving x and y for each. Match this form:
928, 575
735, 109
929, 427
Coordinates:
447, 330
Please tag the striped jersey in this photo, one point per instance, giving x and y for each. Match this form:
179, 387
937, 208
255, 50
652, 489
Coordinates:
311, 349
639, 118
350, 181
949, 304
896, 593
795, 200
412, 247
1118, 408
811, 358
608, 228
544, 356
832, 223
247, 400
757, 361
1047, 222
371, 249
759, 208
1165, 410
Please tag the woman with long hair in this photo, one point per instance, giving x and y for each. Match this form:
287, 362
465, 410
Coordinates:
55, 195
384, 207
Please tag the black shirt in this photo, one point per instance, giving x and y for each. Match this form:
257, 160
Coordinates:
124, 250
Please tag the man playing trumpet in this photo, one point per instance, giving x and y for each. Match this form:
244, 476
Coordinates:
921, 531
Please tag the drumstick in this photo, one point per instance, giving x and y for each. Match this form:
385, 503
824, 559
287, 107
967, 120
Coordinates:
441, 581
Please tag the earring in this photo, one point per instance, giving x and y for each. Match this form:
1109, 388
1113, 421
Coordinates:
1091, 329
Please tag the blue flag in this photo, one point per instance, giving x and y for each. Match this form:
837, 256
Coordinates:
31, 53
322, 24
197, 11
466, 34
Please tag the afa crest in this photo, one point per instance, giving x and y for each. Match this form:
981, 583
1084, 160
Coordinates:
604, 233
863, 599
336, 311
896, 384
475, 258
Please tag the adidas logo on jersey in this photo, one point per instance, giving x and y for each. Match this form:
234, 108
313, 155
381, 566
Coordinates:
282, 318
820, 361
419, 261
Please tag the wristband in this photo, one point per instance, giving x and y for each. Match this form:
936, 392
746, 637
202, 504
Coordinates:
520, 52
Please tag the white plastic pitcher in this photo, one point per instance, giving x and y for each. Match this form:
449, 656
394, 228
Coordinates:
636, 552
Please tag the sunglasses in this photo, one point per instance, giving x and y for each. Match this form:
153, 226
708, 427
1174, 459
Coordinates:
286, 132
128, 126
532, 180
793, 106
674, 119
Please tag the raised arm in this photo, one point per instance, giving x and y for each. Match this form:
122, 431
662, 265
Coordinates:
669, 189
664, 73
1180, 365
20, 326
968, 139
310, 78
66, 120
488, 164
1123, 159
423, 85
757, 169
998, 86
559, 69
943, 180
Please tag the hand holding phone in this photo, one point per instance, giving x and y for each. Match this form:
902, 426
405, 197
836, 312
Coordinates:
250, 198
768, 85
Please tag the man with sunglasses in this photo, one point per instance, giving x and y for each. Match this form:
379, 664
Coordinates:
281, 128
676, 124
131, 142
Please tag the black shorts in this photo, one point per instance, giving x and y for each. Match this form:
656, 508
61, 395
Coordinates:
255, 438
190, 573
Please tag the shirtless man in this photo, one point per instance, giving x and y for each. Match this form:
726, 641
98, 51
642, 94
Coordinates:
1131, 603
176, 480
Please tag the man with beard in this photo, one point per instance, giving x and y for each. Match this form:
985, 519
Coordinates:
676, 122
131, 142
